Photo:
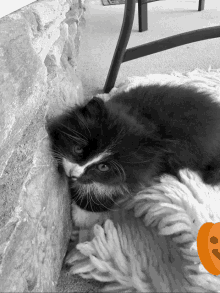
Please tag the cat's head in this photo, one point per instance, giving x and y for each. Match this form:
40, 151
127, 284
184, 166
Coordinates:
103, 152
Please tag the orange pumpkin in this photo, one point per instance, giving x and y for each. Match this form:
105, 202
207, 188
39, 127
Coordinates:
208, 245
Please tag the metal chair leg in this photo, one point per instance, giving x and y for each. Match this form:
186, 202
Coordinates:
121, 45
123, 55
201, 5
142, 15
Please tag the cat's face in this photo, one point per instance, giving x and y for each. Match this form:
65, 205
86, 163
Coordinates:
102, 152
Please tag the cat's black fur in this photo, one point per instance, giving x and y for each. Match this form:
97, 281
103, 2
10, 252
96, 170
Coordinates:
148, 131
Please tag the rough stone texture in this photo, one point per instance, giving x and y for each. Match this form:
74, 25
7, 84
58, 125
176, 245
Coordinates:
38, 54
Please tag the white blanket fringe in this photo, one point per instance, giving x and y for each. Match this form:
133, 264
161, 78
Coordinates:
128, 253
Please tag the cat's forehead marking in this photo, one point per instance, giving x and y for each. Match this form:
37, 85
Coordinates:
73, 169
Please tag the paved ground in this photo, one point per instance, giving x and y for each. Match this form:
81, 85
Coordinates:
166, 18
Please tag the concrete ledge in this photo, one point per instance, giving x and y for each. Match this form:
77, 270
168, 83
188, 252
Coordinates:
38, 57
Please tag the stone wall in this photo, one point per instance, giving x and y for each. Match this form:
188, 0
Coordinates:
38, 53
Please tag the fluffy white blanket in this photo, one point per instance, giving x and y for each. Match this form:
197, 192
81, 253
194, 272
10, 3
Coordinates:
150, 245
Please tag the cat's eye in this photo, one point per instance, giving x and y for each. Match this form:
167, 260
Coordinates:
78, 149
103, 167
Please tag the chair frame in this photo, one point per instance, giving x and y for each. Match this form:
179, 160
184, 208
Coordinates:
122, 55
143, 13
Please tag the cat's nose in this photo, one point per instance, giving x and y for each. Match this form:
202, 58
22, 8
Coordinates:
74, 178
71, 176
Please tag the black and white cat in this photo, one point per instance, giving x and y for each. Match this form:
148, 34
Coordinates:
111, 149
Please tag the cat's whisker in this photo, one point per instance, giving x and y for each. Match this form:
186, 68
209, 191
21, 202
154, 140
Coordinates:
132, 153
58, 159
56, 153
77, 136
76, 195
74, 138
87, 201
56, 156
117, 171
116, 140
95, 200
123, 171
85, 126
57, 150
120, 169
88, 197
73, 131
119, 137
80, 198
91, 200
104, 205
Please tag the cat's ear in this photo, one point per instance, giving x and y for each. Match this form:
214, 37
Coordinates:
96, 102
95, 107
